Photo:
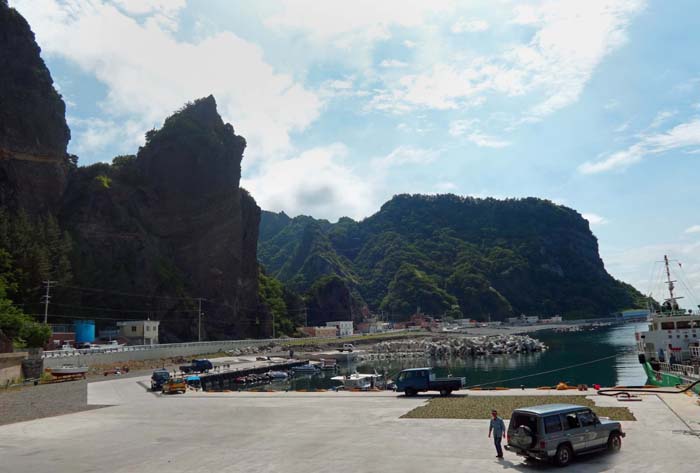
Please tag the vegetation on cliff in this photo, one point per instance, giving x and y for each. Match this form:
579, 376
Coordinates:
452, 255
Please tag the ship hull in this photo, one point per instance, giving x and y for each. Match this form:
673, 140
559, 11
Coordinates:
665, 379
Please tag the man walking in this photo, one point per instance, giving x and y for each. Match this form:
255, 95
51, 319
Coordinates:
498, 428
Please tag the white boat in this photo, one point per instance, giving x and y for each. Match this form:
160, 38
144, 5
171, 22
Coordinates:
69, 370
278, 374
308, 368
359, 381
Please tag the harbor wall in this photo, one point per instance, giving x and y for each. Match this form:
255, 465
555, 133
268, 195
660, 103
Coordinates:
11, 367
145, 352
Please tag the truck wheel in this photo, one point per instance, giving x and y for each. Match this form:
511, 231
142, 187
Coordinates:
563, 455
410, 392
614, 442
445, 392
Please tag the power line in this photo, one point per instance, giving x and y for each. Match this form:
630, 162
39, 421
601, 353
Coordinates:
107, 309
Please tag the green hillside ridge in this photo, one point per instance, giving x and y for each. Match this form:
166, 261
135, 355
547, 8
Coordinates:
453, 255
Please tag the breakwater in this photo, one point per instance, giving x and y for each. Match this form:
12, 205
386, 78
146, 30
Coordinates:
454, 347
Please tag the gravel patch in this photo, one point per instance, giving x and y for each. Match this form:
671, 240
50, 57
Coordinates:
479, 407
47, 400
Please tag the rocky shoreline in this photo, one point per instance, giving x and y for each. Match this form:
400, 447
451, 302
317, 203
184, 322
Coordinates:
456, 347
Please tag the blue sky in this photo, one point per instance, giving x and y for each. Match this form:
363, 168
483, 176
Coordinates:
594, 105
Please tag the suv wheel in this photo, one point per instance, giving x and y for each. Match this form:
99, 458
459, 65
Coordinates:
614, 442
563, 455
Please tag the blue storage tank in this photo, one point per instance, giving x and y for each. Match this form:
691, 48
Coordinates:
84, 331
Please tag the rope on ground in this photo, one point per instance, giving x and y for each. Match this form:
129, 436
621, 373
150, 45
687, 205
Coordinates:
543, 372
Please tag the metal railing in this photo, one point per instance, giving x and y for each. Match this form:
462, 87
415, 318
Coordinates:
162, 346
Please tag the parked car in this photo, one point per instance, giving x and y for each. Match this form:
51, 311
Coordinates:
197, 366
558, 432
175, 385
158, 378
415, 380
346, 347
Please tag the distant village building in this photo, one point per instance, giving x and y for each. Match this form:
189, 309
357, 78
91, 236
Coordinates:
319, 332
139, 332
344, 327
523, 320
635, 314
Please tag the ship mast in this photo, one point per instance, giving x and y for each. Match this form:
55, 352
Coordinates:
671, 299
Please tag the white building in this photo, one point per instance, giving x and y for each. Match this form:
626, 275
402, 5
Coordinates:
344, 327
139, 332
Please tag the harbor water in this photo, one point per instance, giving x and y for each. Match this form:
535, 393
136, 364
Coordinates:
614, 346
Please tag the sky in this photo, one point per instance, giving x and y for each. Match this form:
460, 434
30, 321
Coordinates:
594, 105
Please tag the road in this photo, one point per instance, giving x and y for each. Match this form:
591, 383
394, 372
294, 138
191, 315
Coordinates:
309, 432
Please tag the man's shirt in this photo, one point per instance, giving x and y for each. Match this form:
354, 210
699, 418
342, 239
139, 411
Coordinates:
498, 426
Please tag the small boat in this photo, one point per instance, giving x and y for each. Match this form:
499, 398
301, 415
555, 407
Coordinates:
308, 368
329, 364
69, 370
359, 381
277, 374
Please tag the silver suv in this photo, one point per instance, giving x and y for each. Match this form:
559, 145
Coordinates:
559, 431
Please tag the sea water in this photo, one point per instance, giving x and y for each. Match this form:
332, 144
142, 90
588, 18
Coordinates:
604, 356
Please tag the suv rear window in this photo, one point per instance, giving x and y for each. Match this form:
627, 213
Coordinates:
522, 418
552, 424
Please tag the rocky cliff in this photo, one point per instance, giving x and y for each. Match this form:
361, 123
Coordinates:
147, 235
33, 131
452, 255
172, 221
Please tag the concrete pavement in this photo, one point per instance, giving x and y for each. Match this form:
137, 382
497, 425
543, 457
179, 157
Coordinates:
308, 432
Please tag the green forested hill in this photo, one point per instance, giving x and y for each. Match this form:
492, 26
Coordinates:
451, 255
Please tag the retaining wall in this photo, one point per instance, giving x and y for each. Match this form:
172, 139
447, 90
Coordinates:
91, 357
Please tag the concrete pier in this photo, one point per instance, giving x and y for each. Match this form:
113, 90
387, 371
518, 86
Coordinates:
314, 432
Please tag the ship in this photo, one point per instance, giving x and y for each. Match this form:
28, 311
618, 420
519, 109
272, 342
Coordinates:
670, 349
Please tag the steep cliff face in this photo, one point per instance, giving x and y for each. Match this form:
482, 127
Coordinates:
172, 220
33, 131
453, 255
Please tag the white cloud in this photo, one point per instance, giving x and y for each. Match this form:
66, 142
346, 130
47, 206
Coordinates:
469, 26
149, 74
392, 63
470, 128
353, 25
641, 267
623, 127
410, 44
460, 127
693, 229
682, 136
483, 140
322, 181
595, 219
570, 40
404, 155
662, 117
318, 182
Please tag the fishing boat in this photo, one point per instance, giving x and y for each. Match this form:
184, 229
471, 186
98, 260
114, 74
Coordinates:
359, 381
670, 349
69, 370
278, 374
329, 364
306, 369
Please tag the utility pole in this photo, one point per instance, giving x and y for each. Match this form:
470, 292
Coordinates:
199, 319
46, 298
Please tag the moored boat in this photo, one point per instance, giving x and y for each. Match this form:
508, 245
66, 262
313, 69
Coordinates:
69, 370
361, 381
669, 350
